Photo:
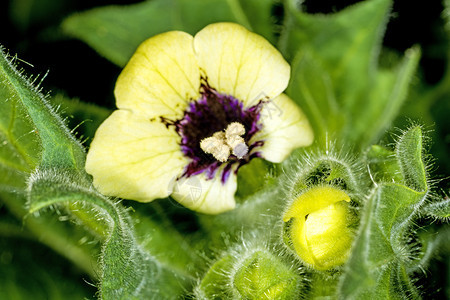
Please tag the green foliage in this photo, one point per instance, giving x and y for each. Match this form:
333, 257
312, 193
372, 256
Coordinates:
83, 117
60, 179
116, 31
59, 148
251, 273
28, 275
438, 209
159, 251
26, 13
123, 263
377, 267
335, 74
20, 153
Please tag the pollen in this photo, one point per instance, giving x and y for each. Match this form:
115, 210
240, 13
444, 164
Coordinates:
215, 146
221, 143
235, 129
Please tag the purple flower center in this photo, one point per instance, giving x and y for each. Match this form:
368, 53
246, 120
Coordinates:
212, 113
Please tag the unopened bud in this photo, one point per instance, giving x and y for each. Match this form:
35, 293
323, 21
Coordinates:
319, 227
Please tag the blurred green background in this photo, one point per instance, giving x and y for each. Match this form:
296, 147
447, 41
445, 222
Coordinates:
31, 29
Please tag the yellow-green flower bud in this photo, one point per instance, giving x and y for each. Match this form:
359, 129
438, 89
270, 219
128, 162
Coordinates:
318, 227
251, 274
264, 276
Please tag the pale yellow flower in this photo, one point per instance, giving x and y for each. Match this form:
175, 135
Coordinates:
177, 91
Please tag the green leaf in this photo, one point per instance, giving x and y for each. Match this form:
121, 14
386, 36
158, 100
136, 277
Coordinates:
84, 117
375, 111
438, 209
19, 141
263, 275
434, 245
60, 180
75, 244
261, 208
116, 31
335, 74
26, 124
428, 101
374, 255
376, 268
59, 148
124, 263
214, 281
157, 235
326, 167
312, 88
383, 165
253, 177
409, 154
347, 42
28, 13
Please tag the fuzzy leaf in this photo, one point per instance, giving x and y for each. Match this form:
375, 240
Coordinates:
214, 281
409, 155
327, 168
26, 125
19, 142
84, 117
383, 165
376, 268
59, 148
61, 180
127, 271
439, 210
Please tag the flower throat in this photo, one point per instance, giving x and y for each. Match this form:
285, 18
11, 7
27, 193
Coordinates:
215, 130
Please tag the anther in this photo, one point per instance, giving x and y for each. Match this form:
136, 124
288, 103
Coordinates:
216, 147
234, 129
220, 144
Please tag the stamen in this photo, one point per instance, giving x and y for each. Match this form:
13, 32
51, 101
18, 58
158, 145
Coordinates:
220, 116
220, 135
221, 143
216, 147
222, 153
235, 128
235, 141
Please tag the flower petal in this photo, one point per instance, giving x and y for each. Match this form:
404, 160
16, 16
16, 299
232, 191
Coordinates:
206, 196
285, 128
134, 158
240, 63
161, 77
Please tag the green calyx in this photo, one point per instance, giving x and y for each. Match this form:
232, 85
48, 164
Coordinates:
256, 274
